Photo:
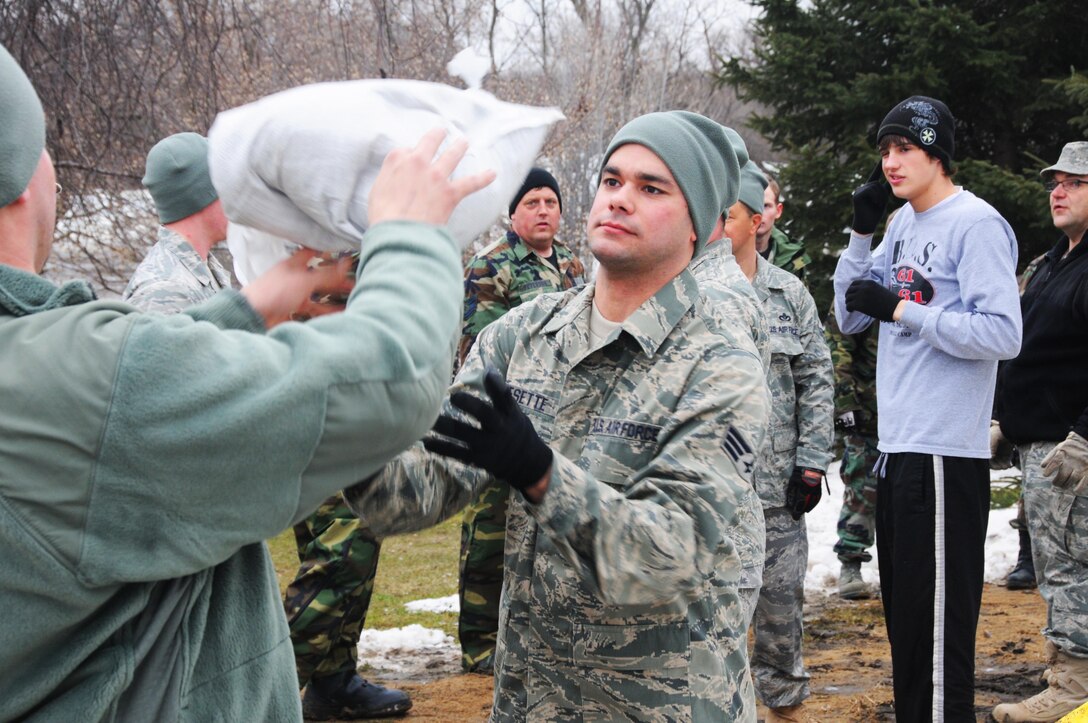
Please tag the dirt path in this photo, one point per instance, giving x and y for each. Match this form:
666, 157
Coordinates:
847, 655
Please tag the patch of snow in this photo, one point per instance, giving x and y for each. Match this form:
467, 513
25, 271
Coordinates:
448, 604
409, 653
1002, 541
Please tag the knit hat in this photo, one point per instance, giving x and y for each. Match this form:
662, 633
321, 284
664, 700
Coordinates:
177, 176
701, 156
537, 178
22, 129
927, 122
1074, 160
752, 185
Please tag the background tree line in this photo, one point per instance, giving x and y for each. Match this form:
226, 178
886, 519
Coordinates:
824, 73
115, 76
806, 83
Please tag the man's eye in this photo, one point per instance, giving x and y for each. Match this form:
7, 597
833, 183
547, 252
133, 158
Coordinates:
653, 190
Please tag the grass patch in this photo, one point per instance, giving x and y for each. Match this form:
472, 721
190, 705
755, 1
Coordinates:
1004, 492
411, 567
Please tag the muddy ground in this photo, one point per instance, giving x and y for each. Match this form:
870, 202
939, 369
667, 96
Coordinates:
846, 654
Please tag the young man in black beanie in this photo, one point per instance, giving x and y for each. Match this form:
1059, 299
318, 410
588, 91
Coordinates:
527, 262
942, 285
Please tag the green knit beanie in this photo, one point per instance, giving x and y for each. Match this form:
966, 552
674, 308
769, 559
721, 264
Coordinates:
752, 185
177, 176
22, 129
701, 156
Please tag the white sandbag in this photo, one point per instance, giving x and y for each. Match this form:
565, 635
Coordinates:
299, 164
254, 251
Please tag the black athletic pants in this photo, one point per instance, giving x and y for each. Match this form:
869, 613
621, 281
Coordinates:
931, 515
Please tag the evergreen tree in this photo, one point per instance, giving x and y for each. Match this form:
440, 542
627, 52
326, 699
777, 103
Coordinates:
826, 72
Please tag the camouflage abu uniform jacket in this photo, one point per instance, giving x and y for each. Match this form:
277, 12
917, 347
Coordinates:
721, 278
173, 276
722, 281
854, 360
620, 592
506, 274
801, 431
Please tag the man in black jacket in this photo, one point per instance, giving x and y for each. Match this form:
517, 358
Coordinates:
1042, 405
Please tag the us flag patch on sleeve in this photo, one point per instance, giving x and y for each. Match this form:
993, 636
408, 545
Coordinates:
737, 447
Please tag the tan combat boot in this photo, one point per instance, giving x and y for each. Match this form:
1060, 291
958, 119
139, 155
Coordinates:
787, 714
1067, 680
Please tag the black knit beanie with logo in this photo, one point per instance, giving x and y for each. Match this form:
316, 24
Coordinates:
927, 122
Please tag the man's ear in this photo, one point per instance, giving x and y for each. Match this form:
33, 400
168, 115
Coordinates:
757, 218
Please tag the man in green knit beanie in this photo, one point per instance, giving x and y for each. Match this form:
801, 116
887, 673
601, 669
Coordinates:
623, 415
179, 269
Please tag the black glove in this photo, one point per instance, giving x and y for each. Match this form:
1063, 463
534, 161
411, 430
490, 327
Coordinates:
505, 444
803, 491
869, 297
870, 201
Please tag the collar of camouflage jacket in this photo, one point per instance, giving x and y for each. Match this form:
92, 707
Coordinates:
210, 273
766, 278
521, 249
712, 253
648, 325
23, 293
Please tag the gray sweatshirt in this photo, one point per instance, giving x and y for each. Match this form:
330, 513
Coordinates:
956, 263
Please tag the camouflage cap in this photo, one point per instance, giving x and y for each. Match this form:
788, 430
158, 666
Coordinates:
701, 157
1074, 159
22, 129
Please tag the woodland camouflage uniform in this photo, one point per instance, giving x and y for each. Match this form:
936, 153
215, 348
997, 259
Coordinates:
327, 602
503, 276
854, 359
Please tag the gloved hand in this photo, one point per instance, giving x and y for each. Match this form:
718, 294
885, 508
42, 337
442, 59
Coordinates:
803, 491
869, 297
1001, 449
1068, 462
846, 420
505, 444
870, 201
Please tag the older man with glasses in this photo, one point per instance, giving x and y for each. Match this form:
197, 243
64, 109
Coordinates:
1042, 406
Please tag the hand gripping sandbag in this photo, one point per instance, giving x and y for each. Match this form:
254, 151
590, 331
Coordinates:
299, 164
